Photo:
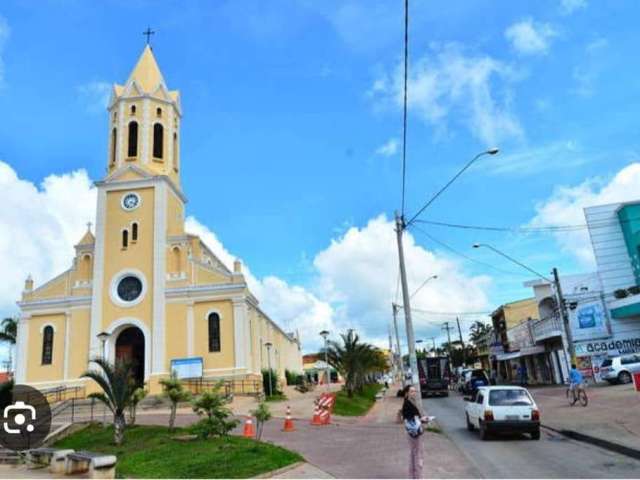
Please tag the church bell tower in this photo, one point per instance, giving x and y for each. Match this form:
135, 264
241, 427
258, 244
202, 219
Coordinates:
144, 122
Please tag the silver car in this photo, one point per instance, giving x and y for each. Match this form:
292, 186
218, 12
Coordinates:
620, 369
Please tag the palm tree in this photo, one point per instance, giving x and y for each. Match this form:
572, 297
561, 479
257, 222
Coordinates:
9, 330
118, 389
478, 330
173, 389
354, 360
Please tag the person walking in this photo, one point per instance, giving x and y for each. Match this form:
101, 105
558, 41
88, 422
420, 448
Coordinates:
413, 417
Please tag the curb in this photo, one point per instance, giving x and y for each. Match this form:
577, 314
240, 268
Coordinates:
280, 471
598, 442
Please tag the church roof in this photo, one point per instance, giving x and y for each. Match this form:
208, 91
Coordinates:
146, 73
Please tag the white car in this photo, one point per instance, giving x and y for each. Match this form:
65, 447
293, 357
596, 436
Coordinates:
502, 409
620, 369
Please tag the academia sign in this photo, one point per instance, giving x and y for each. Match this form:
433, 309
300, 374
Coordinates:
611, 347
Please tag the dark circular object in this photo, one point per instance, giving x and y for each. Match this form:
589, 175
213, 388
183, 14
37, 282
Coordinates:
26, 421
129, 288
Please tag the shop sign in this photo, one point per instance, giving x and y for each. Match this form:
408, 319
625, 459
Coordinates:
611, 347
589, 321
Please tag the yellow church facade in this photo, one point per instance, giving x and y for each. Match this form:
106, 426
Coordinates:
142, 289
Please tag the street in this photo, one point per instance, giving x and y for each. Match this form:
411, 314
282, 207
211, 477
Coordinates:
516, 456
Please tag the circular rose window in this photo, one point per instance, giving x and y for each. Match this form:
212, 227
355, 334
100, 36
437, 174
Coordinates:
129, 288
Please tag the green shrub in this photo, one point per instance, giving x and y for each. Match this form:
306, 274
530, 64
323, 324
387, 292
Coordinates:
274, 382
217, 421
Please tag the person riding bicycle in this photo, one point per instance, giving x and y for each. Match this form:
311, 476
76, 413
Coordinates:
575, 378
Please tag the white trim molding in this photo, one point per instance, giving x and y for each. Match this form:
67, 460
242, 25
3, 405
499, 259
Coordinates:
159, 276
98, 273
22, 341
118, 277
240, 338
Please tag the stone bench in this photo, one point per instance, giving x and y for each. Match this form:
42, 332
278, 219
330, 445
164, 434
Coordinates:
97, 465
48, 457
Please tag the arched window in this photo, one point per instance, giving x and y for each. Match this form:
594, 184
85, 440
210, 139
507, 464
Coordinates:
85, 267
133, 109
158, 112
214, 332
157, 140
47, 345
114, 140
175, 151
134, 232
175, 259
133, 140
125, 238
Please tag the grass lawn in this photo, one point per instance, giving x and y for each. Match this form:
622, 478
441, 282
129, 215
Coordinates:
150, 452
359, 404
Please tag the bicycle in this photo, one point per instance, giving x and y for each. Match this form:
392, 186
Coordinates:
577, 394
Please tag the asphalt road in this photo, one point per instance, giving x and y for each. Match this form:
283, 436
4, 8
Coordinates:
516, 456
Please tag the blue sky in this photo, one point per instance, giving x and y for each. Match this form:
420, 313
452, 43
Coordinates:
290, 130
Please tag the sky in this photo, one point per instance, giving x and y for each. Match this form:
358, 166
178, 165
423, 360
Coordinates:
291, 142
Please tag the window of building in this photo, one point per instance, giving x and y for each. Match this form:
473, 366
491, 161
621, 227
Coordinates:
158, 112
158, 132
125, 238
114, 140
175, 151
134, 232
47, 345
175, 254
133, 140
133, 109
214, 332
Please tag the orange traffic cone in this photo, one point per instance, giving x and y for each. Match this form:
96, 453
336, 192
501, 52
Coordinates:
249, 430
288, 422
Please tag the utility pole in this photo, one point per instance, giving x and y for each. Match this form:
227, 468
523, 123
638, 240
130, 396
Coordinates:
433, 339
393, 359
565, 317
464, 353
448, 329
406, 302
394, 308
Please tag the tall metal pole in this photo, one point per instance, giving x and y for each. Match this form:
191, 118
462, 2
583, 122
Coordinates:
448, 329
464, 353
326, 362
395, 327
268, 345
406, 302
565, 317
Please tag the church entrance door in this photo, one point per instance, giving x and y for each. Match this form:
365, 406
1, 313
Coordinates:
130, 348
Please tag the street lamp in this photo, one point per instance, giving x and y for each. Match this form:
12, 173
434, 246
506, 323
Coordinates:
401, 226
103, 337
432, 277
324, 334
559, 298
269, 345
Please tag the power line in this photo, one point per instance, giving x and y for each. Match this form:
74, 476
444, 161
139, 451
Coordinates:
460, 254
404, 112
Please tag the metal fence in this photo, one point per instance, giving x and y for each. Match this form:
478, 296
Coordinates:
229, 387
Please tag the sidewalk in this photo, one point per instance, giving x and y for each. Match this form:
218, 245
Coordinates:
373, 446
613, 413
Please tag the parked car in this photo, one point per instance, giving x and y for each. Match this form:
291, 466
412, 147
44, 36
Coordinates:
502, 409
620, 369
471, 380
434, 376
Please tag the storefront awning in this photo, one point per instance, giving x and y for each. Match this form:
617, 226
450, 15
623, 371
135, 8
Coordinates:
631, 310
523, 352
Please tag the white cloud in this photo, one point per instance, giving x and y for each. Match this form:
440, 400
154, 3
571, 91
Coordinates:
537, 159
4, 35
530, 38
95, 95
447, 85
569, 6
358, 274
389, 149
565, 207
40, 225
586, 74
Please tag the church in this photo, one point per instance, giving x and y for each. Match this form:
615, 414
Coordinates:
140, 288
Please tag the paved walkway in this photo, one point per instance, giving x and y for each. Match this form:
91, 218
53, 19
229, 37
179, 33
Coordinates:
613, 413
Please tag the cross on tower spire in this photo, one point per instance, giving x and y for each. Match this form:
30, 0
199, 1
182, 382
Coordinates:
148, 32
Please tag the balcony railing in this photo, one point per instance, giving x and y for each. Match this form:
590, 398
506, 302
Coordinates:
547, 328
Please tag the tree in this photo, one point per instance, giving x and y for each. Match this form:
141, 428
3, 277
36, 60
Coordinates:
478, 330
262, 414
356, 361
9, 330
138, 394
213, 404
173, 389
118, 386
